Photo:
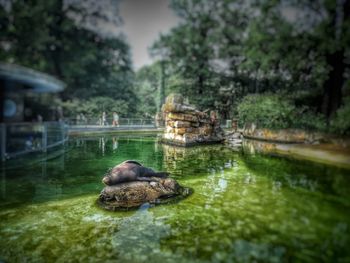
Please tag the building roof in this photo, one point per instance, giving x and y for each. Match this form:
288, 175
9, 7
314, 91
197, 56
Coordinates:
32, 80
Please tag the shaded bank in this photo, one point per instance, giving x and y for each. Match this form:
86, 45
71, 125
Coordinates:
331, 154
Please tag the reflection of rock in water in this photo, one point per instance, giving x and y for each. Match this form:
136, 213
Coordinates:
234, 140
253, 146
201, 159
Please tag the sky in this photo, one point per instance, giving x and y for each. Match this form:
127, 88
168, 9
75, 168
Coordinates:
143, 20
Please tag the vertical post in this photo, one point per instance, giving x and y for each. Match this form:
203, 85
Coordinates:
44, 137
63, 135
3, 142
161, 94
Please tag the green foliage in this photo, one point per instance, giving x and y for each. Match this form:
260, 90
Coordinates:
278, 112
265, 110
47, 36
341, 121
94, 107
262, 46
146, 87
188, 50
221, 52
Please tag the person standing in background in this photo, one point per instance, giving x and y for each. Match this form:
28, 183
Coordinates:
115, 119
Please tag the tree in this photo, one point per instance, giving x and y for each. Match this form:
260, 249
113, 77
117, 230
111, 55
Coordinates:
190, 50
309, 49
146, 87
205, 51
57, 37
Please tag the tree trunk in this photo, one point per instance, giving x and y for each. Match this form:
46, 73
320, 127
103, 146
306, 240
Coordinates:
332, 96
2, 99
56, 32
200, 84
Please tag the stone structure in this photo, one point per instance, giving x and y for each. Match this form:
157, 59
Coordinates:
129, 195
129, 185
251, 131
186, 126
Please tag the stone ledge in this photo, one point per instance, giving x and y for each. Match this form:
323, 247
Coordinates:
282, 135
189, 144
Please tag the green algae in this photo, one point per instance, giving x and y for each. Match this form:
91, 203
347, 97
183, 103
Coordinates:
244, 208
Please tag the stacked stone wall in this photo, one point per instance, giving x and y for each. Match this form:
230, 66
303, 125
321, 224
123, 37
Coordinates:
185, 125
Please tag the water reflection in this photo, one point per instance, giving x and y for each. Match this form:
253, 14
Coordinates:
192, 161
245, 208
102, 145
33, 182
261, 159
72, 171
254, 146
115, 143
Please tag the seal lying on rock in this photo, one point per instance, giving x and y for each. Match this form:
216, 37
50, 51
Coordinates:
129, 171
130, 185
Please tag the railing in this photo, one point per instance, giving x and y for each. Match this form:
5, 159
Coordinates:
122, 123
21, 138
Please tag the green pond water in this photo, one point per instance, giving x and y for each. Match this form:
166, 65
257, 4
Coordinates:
245, 208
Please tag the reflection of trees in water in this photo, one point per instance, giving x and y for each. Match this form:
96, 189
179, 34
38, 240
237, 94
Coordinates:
181, 161
119, 148
39, 182
115, 143
294, 173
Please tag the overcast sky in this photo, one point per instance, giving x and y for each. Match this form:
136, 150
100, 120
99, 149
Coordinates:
143, 21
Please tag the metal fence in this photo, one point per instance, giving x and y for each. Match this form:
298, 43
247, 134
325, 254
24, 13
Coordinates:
124, 123
21, 138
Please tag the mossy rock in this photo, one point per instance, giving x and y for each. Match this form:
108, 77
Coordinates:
132, 195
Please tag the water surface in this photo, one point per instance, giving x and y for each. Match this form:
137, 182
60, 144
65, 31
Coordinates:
244, 208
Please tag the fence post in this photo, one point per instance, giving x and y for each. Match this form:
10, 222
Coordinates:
44, 137
3, 142
62, 131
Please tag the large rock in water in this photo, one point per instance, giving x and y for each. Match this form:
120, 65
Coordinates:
128, 195
187, 126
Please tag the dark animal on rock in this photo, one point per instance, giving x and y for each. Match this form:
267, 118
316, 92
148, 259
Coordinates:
129, 171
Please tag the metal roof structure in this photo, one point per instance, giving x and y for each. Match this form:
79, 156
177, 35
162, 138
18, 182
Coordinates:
29, 79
